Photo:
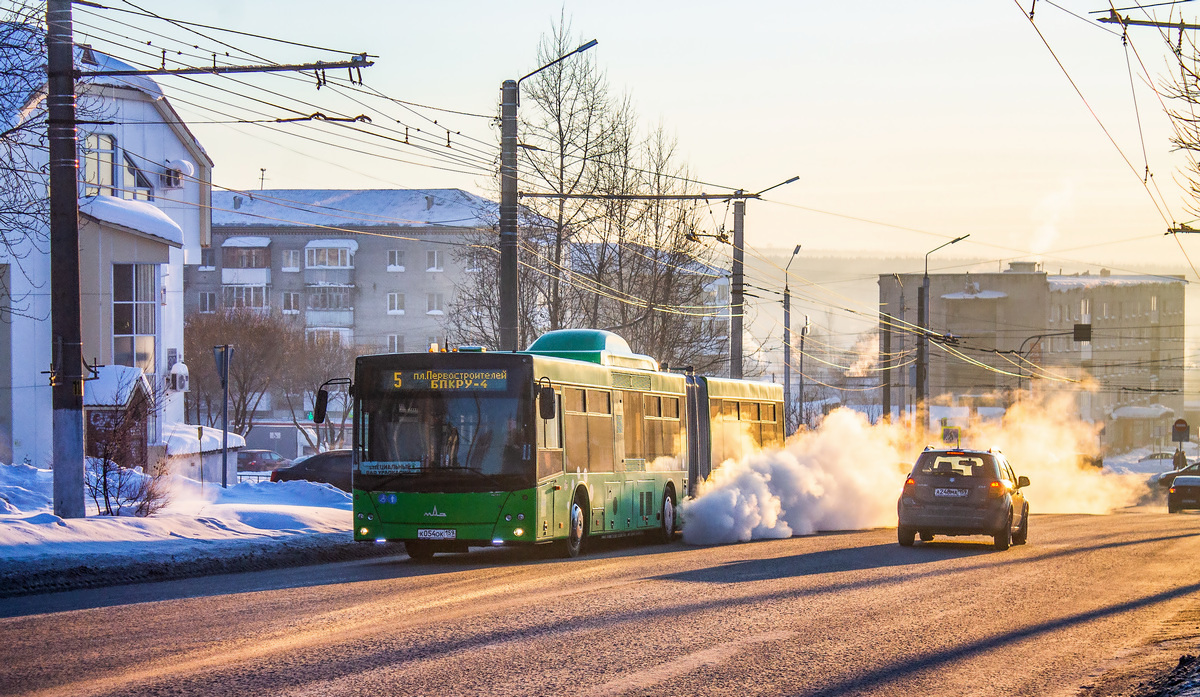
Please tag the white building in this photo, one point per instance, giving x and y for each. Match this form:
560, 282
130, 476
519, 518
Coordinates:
143, 204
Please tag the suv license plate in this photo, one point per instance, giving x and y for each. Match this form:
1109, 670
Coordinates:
951, 493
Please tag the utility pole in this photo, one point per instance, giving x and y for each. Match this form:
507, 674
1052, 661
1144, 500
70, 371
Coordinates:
509, 295
737, 300
923, 325
739, 210
803, 333
787, 348
66, 368
510, 98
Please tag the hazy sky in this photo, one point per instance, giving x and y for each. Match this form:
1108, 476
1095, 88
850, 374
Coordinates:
942, 117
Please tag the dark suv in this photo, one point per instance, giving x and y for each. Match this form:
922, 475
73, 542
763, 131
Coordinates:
963, 492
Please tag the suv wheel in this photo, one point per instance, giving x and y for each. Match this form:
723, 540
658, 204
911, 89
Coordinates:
906, 536
926, 536
1022, 533
1003, 537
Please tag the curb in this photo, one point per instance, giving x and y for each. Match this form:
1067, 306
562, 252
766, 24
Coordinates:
55, 575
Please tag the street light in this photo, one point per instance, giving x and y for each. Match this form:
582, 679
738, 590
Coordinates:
923, 324
787, 347
510, 97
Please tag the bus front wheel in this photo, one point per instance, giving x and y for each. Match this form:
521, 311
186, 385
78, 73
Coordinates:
418, 550
576, 530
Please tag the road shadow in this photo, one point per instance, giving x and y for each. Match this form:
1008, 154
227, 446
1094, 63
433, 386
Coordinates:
823, 562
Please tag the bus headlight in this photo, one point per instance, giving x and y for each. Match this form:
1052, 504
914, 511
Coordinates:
362, 531
518, 532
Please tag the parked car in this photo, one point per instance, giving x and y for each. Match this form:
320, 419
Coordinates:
1184, 493
260, 461
963, 492
332, 467
1165, 479
1153, 457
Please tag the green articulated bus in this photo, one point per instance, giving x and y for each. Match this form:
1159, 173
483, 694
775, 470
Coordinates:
576, 437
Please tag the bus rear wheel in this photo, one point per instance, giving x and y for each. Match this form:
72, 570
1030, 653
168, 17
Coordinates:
666, 529
576, 527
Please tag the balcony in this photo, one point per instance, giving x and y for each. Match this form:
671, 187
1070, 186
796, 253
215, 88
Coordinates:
329, 277
246, 277
329, 318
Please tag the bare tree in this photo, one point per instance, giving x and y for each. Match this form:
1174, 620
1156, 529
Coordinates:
308, 363
119, 480
634, 267
260, 342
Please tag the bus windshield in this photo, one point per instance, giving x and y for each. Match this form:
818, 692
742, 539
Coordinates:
445, 441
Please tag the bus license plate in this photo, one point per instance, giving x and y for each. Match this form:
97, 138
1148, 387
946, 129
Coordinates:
436, 534
952, 493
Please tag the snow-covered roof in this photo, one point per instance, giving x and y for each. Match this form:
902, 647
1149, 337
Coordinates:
353, 208
1153, 411
340, 244
978, 295
113, 386
135, 215
1086, 281
247, 242
186, 439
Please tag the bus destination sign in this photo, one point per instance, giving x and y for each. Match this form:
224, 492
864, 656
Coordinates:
444, 380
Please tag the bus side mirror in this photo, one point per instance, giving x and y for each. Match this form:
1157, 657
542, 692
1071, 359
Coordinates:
546, 407
321, 406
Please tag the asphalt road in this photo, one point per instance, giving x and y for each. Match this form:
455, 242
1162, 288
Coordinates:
1090, 606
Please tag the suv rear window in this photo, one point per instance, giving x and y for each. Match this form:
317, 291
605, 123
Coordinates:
956, 464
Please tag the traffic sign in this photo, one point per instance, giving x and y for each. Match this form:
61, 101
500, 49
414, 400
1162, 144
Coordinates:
1180, 432
951, 435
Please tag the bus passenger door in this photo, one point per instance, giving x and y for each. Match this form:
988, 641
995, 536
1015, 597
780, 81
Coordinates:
550, 464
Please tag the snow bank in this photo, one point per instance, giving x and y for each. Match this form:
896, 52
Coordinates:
198, 516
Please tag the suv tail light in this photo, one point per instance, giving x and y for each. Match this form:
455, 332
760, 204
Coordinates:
910, 486
997, 490
1171, 490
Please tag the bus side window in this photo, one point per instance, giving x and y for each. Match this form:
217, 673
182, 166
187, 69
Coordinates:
634, 444
550, 430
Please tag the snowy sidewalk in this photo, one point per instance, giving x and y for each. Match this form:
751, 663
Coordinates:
203, 530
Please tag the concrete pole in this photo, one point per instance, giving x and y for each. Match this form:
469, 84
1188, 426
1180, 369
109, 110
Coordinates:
67, 348
738, 301
787, 360
508, 217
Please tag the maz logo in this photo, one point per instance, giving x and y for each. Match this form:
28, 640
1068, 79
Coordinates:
434, 514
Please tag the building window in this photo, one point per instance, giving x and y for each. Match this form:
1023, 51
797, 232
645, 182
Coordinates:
395, 343
329, 298
134, 315
208, 258
208, 301
475, 260
137, 184
395, 260
331, 337
434, 259
291, 303
248, 297
433, 304
395, 303
327, 258
99, 164
246, 258
291, 260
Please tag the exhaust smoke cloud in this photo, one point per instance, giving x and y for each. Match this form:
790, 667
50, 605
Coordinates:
847, 474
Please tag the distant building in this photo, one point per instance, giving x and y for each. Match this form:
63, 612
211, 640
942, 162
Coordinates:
1020, 325
374, 269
